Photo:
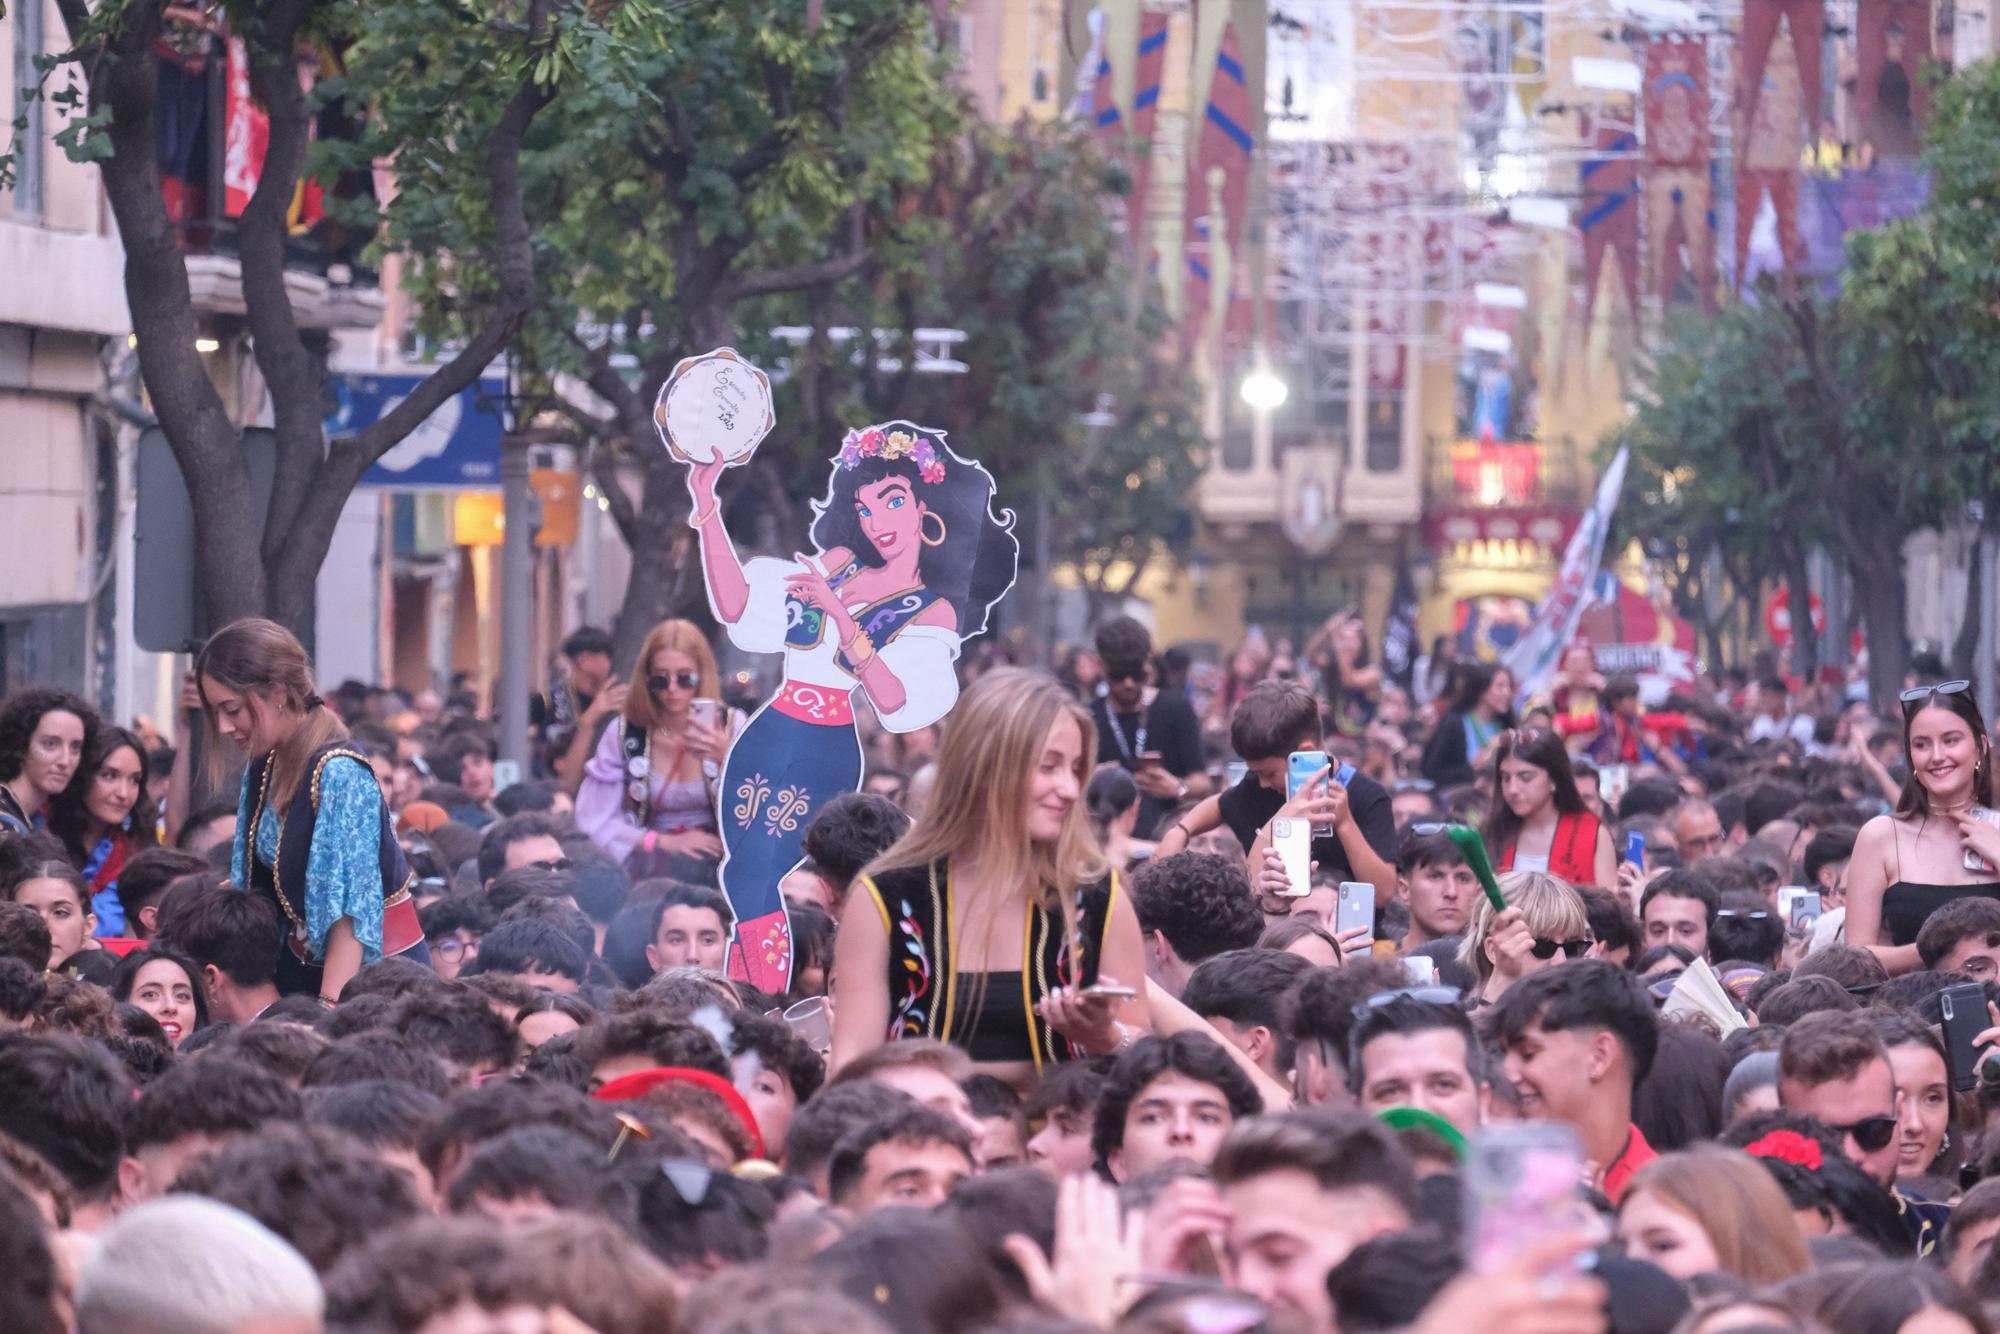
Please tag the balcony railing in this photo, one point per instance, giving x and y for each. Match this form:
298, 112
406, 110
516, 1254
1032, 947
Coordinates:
1504, 475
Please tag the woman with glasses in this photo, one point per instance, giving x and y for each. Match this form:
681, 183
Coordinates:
1941, 842
1540, 822
648, 794
1546, 922
1482, 709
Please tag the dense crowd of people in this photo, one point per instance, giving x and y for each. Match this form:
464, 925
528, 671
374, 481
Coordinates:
1143, 994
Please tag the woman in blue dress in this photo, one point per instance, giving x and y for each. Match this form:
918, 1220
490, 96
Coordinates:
909, 559
312, 833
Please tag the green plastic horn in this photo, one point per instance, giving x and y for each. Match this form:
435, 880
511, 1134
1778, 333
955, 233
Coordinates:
1473, 849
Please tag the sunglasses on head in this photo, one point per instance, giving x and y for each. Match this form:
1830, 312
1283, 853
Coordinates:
1425, 995
1871, 1133
1917, 696
661, 682
1544, 948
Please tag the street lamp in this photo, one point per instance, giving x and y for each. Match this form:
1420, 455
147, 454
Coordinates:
1263, 390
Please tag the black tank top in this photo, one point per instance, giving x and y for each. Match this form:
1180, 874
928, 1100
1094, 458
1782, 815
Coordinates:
1907, 905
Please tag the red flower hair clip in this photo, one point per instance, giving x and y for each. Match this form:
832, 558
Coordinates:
1788, 1146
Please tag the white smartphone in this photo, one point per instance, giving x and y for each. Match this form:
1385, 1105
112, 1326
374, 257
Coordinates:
1787, 896
704, 711
1356, 908
1973, 861
1293, 840
1612, 780
1805, 912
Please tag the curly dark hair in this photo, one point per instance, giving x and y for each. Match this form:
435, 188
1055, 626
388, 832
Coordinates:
23, 712
69, 818
963, 501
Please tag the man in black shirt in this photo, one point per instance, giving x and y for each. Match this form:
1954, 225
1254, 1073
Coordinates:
1355, 821
553, 718
1159, 741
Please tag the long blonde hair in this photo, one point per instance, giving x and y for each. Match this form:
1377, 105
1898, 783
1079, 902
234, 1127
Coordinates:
681, 637
1737, 1203
993, 739
257, 657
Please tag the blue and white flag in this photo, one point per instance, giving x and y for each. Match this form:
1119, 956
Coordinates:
1534, 658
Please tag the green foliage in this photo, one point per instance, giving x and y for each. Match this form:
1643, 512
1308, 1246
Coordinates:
684, 203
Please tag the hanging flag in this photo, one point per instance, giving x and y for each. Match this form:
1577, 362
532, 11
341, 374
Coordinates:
1610, 217
1218, 185
1399, 635
1132, 137
1679, 197
1534, 657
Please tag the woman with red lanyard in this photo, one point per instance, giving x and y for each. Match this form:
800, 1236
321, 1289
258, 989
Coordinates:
1539, 822
103, 817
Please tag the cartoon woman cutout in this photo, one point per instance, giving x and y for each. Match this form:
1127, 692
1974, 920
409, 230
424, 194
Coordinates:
909, 560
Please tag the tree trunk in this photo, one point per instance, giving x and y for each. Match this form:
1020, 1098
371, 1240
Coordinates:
1879, 597
1798, 590
1965, 648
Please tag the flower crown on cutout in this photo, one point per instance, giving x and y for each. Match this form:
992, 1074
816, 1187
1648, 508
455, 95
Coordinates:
877, 443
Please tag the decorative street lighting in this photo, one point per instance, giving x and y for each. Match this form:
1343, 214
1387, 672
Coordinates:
1263, 390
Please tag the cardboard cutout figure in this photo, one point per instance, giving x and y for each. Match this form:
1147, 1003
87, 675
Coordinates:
908, 559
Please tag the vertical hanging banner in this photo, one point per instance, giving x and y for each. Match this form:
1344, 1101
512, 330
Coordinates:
1676, 186
906, 558
1132, 137
1532, 660
1761, 19
1767, 164
247, 136
1891, 33
1218, 184
1609, 218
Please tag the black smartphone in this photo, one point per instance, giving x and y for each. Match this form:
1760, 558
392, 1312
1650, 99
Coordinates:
1965, 1018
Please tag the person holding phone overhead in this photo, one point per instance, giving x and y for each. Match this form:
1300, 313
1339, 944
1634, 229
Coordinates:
1157, 740
648, 793
1940, 843
1540, 822
994, 923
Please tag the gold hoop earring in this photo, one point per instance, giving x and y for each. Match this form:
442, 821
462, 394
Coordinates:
926, 538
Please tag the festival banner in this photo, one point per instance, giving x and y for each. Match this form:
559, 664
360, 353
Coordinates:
1632, 634
1218, 186
1132, 136
1676, 187
1533, 659
1610, 216
1767, 163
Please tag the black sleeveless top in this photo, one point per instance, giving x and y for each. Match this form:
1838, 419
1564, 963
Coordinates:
1906, 905
991, 1015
